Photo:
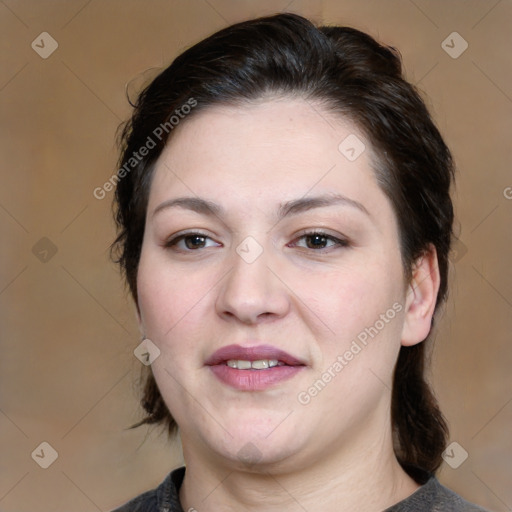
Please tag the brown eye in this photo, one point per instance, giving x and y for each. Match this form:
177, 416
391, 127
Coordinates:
319, 241
316, 241
191, 242
195, 241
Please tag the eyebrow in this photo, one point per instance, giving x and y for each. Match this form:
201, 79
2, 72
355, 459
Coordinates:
308, 203
293, 207
195, 204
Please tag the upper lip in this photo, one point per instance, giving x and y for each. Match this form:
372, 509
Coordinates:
253, 353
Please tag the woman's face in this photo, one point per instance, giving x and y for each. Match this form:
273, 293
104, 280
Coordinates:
271, 281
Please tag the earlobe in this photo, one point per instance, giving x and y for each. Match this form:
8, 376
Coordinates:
421, 298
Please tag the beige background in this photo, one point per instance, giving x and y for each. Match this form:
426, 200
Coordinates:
68, 375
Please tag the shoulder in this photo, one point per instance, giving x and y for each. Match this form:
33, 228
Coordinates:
434, 497
164, 498
451, 501
146, 502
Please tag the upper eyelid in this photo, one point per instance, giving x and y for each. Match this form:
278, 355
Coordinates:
318, 231
323, 232
191, 232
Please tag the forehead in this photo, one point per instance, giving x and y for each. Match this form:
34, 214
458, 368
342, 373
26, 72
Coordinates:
273, 150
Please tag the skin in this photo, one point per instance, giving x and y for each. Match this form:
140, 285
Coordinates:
310, 302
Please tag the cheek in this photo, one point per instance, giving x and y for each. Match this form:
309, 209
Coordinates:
363, 307
348, 299
171, 301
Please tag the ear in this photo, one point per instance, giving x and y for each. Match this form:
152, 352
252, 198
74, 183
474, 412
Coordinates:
421, 298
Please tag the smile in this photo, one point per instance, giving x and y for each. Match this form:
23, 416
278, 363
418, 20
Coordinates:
260, 364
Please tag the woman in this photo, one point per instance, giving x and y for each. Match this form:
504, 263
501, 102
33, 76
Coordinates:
284, 227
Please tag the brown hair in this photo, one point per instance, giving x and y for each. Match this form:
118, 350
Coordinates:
350, 74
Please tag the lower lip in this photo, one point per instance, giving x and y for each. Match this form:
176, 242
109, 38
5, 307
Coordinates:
254, 380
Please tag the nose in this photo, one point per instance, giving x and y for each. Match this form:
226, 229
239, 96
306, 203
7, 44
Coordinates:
252, 292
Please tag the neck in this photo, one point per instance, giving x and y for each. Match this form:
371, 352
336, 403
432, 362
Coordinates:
362, 473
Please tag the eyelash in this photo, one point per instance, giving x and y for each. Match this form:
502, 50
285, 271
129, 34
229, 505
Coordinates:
337, 242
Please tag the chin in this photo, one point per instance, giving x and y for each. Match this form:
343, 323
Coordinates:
257, 459
256, 447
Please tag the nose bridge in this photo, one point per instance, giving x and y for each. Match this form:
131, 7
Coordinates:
250, 290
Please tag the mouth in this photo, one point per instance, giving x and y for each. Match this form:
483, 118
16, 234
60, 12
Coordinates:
259, 364
253, 368
260, 357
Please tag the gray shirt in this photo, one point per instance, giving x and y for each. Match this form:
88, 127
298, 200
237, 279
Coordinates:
430, 497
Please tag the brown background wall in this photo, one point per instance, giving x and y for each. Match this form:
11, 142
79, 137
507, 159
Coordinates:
68, 375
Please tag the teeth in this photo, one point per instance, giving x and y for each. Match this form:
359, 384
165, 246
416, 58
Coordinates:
261, 364
243, 365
